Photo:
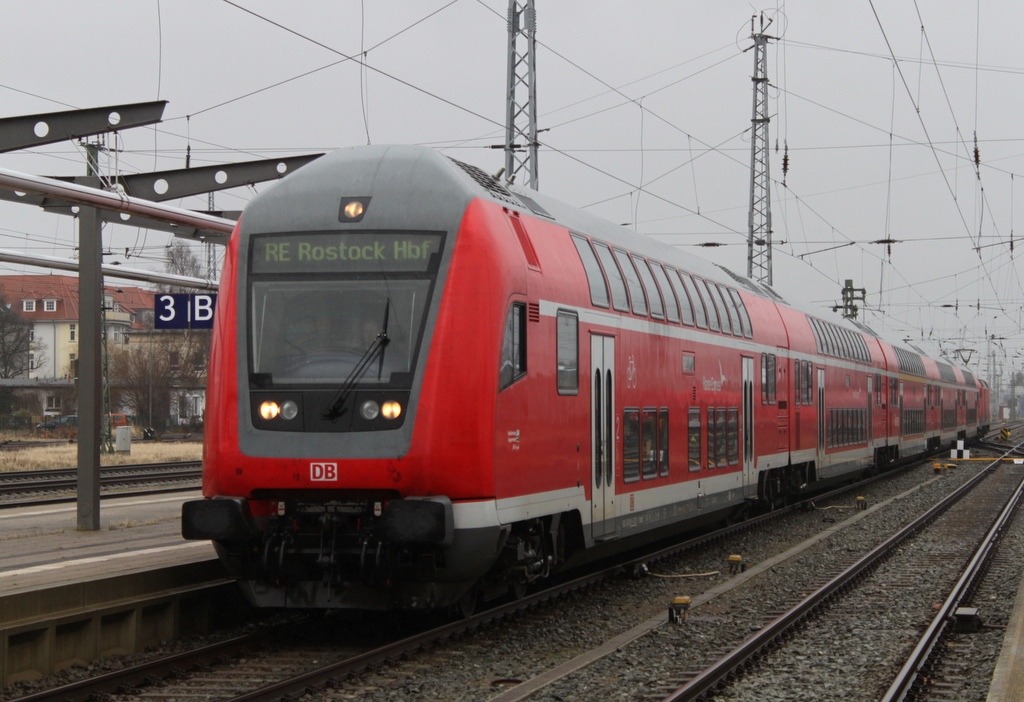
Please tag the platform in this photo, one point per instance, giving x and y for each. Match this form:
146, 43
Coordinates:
42, 547
1008, 678
68, 597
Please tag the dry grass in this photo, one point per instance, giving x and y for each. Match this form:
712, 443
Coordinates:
66, 455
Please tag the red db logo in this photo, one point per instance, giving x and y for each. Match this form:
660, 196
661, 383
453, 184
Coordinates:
323, 471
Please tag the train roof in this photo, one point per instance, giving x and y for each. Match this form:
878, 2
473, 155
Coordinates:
435, 191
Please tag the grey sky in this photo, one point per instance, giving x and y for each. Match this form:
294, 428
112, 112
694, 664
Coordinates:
677, 125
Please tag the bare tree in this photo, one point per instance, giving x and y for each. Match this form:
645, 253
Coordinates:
16, 344
145, 375
181, 260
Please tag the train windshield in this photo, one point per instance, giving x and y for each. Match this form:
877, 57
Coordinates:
313, 324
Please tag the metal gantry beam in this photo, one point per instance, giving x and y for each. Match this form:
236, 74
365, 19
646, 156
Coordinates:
759, 219
160, 186
521, 99
122, 272
114, 202
27, 131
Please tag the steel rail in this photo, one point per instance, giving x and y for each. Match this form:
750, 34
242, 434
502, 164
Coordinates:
53, 473
919, 657
110, 477
715, 674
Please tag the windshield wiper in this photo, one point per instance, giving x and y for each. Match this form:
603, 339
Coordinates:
337, 404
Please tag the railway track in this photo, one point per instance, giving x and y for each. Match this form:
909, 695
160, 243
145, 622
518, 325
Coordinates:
31, 487
269, 666
854, 596
313, 655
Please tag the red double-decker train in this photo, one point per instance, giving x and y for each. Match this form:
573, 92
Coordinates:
428, 387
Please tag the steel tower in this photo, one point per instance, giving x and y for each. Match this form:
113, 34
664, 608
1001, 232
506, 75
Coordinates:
759, 219
521, 110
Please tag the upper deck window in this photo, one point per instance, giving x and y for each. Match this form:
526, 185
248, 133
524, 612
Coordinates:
709, 305
650, 287
620, 300
636, 290
598, 288
667, 292
698, 304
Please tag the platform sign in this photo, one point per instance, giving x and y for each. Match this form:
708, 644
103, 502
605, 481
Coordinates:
184, 311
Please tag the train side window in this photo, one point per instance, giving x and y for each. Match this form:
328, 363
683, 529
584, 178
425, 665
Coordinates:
620, 300
709, 304
693, 439
721, 438
636, 289
730, 308
700, 318
851, 353
712, 439
631, 445
649, 443
768, 375
817, 334
748, 329
798, 379
513, 350
568, 353
832, 334
723, 313
650, 287
598, 287
667, 292
689, 363
808, 383
733, 431
663, 441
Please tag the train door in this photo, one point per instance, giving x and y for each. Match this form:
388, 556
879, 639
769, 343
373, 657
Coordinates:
748, 421
821, 418
871, 400
602, 411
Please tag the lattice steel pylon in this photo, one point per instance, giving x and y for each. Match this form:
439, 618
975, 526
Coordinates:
521, 106
759, 219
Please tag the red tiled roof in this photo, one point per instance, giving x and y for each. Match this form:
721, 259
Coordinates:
64, 289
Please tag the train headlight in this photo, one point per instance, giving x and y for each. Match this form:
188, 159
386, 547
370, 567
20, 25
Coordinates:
269, 410
289, 410
369, 410
354, 209
391, 409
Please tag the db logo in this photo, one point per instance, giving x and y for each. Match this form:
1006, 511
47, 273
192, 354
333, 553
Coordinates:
323, 471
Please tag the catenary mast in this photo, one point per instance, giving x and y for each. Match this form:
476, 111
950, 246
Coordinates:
521, 109
759, 240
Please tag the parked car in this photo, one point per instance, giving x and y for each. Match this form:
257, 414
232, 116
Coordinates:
70, 420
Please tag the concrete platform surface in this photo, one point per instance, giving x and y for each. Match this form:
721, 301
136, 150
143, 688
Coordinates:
41, 547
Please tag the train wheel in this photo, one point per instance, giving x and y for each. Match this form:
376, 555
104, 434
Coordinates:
466, 606
518, 588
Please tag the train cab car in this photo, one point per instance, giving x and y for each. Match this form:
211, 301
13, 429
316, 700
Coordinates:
428, 387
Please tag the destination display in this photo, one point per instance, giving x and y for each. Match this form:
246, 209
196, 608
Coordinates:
344, 252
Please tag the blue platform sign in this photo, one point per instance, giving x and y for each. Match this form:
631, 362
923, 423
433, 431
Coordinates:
184, 311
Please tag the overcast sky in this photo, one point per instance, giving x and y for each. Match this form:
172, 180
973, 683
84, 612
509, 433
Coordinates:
646, 107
